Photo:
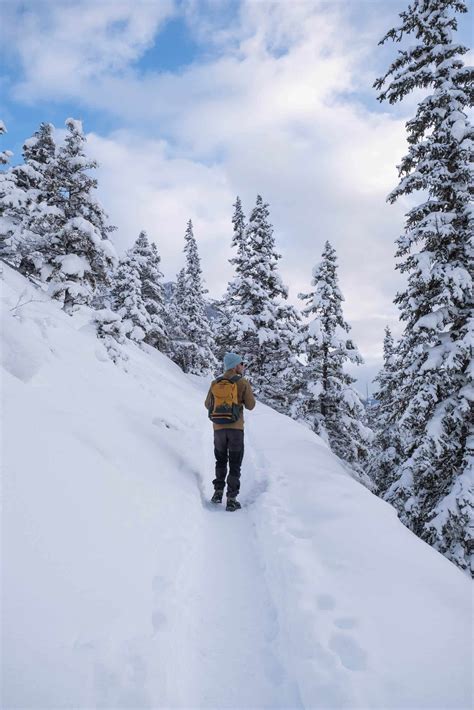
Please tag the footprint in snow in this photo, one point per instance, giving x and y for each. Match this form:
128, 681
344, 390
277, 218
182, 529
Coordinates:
326, 602
160, 588
157, 421
351, 655
124, 685
345, 622
158, 621
273, 669
300, 534
271, 625
256, 491
84, 645
159, 584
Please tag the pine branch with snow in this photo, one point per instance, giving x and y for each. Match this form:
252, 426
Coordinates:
5, 155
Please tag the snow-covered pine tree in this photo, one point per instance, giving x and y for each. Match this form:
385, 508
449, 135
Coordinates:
128, 298
176, 321
286, 369
38, 153
38, 219
196, 350
332, 405
432, 490
308, 403
385, 450
261, 323
79, 256
11, 198
151, 278
226, 336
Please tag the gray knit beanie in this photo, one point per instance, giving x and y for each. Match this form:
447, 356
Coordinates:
231, 360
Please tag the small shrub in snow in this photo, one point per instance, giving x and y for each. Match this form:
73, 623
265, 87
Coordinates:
111, 331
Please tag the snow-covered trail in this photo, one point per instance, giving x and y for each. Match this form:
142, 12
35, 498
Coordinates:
123, 588
231, 622
223, 635
213, 624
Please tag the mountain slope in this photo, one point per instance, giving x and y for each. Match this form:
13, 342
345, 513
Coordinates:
123, 587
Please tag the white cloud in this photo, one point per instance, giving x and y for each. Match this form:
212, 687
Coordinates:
143, 186
63, 45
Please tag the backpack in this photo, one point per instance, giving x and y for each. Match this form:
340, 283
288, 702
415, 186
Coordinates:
225, 408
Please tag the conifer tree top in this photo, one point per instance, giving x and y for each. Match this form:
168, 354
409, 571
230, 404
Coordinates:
432, 59
41, 146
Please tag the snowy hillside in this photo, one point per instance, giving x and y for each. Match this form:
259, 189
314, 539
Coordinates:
123, 588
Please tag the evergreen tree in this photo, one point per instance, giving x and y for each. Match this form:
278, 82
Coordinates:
38, 217
151, 279
226, 336
11, 198
128, 298
239, 236
195, 345
331, 405
284, 387
386, 451
261, 323
176, 322
78, 256
434, 398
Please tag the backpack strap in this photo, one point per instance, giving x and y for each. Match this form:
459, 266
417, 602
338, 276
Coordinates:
233, 379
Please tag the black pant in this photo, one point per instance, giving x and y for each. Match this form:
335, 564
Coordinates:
228, 446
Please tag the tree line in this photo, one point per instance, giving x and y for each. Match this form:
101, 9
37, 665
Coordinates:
55, 231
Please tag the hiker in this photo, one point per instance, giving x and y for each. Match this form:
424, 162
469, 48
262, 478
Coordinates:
225, 402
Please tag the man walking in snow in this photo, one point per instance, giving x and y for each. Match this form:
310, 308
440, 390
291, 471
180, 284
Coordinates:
225, 402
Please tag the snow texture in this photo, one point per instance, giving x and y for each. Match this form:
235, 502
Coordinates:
122, 587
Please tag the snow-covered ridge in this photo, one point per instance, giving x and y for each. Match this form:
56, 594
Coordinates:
123, 588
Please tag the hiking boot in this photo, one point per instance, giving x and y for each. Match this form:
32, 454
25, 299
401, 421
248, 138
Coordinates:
217, 497
232, 504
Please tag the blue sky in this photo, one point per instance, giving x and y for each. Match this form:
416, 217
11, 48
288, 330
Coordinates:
187, 104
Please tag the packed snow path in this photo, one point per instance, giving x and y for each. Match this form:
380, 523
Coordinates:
230, 622
123, 587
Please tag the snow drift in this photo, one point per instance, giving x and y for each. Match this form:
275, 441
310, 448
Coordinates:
122, 587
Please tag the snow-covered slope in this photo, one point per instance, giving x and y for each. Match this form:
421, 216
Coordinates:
123, 588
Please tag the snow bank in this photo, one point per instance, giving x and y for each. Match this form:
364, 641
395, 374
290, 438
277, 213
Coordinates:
123, 587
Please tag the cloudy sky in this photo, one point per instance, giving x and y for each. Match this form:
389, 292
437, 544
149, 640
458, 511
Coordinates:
188, 103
